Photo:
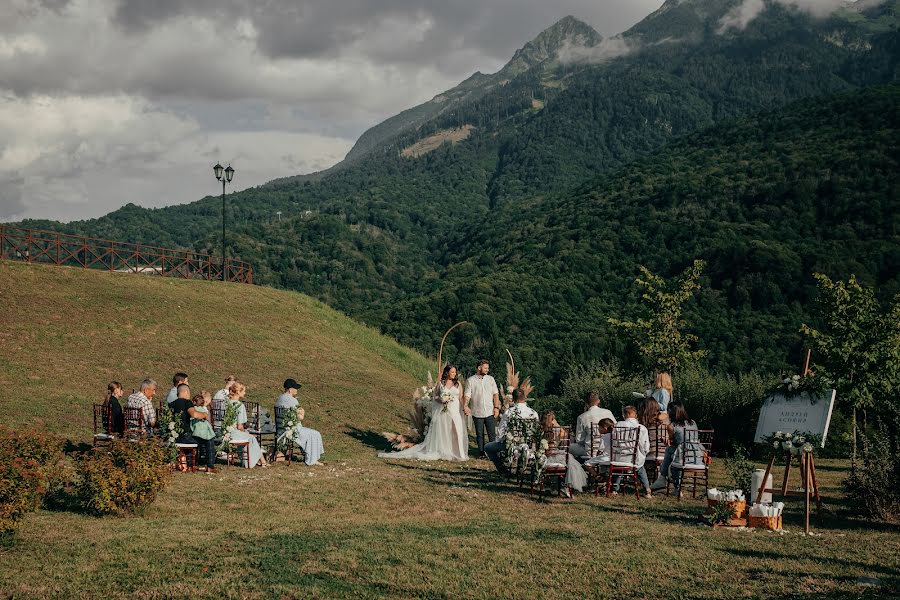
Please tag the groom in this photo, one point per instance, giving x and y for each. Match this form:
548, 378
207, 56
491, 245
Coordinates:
482, 402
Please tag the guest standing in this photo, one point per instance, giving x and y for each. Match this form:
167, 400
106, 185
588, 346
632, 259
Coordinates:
144, 401
308, 439
662, 390
482, 403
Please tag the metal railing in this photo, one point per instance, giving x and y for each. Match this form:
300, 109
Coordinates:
37, 246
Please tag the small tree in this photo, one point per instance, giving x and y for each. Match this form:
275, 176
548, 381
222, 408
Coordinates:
660, 333
858, 348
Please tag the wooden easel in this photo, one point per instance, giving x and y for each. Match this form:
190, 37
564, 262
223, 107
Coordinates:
807, 474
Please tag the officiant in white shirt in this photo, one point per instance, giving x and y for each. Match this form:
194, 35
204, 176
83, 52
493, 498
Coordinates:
482, 403
593, 415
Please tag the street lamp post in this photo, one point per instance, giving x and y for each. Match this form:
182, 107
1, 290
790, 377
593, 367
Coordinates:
229, 174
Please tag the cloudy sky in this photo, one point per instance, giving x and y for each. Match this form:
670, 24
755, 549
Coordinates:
104, 102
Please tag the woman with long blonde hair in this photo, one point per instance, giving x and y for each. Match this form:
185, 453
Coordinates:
662, 390
236, 394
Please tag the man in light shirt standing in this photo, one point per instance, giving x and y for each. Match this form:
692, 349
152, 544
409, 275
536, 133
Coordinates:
594, 414
482, 403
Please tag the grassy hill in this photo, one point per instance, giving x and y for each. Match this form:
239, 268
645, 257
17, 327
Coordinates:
360, 526
64, 333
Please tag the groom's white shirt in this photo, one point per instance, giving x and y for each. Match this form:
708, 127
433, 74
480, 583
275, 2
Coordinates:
522, 410
480, 391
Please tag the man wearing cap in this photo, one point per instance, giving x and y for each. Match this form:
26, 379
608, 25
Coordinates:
308, 439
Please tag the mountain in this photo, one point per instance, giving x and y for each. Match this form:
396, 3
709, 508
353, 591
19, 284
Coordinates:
394, 235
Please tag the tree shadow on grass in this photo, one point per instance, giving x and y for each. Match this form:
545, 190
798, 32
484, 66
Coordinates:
372, 439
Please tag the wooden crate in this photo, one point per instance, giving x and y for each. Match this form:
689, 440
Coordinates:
772, 523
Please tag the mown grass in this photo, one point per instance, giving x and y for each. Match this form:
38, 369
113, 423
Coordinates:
360, 526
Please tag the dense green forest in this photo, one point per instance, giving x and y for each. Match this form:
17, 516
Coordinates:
533, 227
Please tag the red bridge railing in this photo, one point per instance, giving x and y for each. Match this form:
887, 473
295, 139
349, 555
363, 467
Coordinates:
36, 246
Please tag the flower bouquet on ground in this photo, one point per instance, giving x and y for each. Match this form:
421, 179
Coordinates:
419, 418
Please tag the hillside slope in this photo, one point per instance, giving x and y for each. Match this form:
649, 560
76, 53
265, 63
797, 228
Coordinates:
65, 332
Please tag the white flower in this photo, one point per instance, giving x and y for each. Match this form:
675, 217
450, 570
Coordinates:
544, 444
796, 378
776, 444
807, 447
786, 380
788, 445
778, 435
171, 426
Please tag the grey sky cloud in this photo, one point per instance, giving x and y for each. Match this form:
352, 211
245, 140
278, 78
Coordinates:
104, 102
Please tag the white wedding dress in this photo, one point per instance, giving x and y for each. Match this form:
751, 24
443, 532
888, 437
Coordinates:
447, 437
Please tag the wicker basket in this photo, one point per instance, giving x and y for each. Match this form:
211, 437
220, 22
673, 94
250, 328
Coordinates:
738, 507
772, 523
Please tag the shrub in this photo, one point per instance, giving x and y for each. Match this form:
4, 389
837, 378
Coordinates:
122, 478
740, 469
29, 468
873, 487
606, 378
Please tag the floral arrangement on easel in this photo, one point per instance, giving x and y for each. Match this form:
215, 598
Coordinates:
792, 386
792, 444
419, 418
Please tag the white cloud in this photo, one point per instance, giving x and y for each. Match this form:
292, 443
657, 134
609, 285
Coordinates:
104, 102
741, 15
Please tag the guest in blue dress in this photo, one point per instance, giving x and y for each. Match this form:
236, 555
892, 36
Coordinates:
308, 439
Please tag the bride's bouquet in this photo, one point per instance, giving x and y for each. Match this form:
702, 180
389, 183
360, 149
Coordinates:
446, 399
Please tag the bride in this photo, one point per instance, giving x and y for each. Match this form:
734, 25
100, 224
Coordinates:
447, 437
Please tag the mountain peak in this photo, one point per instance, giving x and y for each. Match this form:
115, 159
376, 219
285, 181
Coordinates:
568, 30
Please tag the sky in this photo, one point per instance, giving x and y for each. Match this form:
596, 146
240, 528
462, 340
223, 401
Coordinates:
106, 102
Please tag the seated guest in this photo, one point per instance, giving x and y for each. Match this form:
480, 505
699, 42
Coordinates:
593, 414
650, 415
662, 390
219, 398
551, 430
599, 463
144, 401
201, 429
308, 439
643, 447
179, 378
235, 398
114, 423
518, 410
683, 453
180, 407
678, 423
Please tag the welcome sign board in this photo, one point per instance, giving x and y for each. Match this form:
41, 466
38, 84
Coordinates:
802, 413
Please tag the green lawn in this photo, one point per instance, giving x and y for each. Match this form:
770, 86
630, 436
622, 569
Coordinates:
359, 526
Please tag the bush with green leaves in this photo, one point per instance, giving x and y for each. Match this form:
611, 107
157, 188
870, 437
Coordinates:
740, 469
29, 468
873, 487
124, 477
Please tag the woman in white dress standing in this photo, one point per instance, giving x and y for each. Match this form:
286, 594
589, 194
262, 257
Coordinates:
235, 397
447, 437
